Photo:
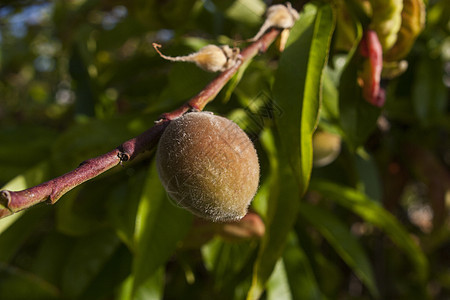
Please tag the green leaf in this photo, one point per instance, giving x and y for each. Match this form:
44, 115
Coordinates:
302, 281
281, 213
248, 11
375, 214
31, 177
261, 200
329, 112
345, 244
229, 263
86, 260
71, 222
18, 233
369, 177
85, 91
278, 285
234, 81
151, 289
297, 91
297, 86
160, 226
85, 140
429, 93
184, 80
113, 273
19, 284
51, 255
358, 117
123, 204
22, 147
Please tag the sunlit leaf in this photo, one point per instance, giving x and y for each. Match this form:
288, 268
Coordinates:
248, 11
278, 285
234, 81
33, 176
78, 78
329, 112
279, 219
151, 289
261, 200
160, 226
228, 262
123, 205
297, 86
297, 92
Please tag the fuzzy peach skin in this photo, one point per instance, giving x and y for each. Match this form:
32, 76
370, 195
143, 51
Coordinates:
208, 165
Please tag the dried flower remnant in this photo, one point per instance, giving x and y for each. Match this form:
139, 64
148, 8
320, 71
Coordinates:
210, 58
278, 16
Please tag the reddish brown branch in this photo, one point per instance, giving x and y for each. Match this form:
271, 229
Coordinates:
54, 189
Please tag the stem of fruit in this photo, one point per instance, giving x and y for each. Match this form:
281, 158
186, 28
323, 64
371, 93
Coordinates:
52, 190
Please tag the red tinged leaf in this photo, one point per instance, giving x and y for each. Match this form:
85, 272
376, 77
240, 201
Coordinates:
370, 48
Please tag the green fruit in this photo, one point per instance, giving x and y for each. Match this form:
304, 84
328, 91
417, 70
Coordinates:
208, 165
326, 148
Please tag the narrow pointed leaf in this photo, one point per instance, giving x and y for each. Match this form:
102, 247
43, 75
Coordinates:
297, 86
297, 91
278, 285
345, 244
299, 269
85, 261
375, 214
160, 226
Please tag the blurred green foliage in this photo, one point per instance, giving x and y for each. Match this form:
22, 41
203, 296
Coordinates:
79, 77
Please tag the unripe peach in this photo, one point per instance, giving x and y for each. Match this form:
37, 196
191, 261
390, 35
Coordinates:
208, 165
326, 147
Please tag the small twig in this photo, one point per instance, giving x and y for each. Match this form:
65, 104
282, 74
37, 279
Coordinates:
54, 189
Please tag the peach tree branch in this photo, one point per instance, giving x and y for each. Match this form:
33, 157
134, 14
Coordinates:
52, 190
